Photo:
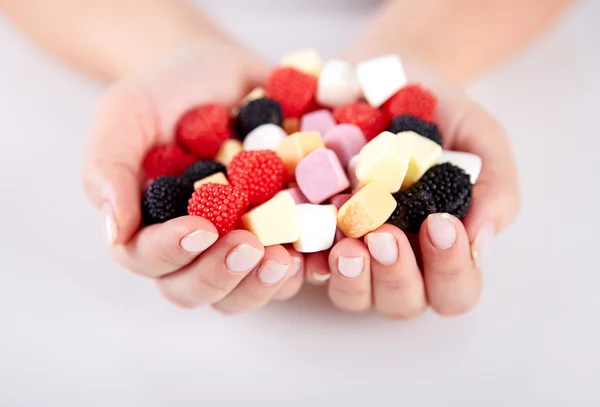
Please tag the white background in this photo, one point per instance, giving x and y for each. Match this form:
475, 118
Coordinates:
76, 330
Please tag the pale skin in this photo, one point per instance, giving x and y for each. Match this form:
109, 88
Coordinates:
163, 56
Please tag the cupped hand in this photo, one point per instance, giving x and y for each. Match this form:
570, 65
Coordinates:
190, 265
401, 275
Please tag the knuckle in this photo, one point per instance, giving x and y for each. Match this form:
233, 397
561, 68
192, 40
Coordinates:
173, 297
405, 314
201, 278
343, 291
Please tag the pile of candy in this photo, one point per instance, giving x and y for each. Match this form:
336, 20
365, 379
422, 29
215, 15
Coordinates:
323, 151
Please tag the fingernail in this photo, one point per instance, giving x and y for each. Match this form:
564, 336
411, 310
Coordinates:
198, 241
296, 266
482, 243
109, 225
383, 248
321, 277
351, 267
442, 232
243, 258
272, 272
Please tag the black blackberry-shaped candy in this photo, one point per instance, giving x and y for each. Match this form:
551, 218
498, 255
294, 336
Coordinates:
166, 198
411, 123
199, 170
444, 188
256, 113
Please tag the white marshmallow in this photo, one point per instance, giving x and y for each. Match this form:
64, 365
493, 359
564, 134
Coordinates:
305, 60
471, 163
264, 137
338, 85
318, 224
381, 78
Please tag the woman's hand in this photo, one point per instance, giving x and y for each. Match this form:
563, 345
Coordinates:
191, 267
443, 266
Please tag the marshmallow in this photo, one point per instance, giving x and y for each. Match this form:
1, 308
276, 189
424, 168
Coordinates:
291, 125
296, 194
338, 201
305, 60
228, 150
355, 184
346, 140
320, 120
256, 93
384, 160
471, 163
297, 146
381, 78
338, 85
318, 224
424, 154
320, 176
264, 137
368, 209
217, 178
275, 221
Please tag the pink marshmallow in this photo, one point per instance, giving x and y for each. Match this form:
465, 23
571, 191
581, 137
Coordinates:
320, 176
346, 140
297, 195
319, 120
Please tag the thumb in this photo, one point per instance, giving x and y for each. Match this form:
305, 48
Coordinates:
112, 178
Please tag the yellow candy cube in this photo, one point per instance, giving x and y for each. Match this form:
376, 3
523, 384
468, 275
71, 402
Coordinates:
274, 222
228, 150
218, 178
365, 211
295, 147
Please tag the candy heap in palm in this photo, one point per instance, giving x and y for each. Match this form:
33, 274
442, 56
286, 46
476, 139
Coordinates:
322, 151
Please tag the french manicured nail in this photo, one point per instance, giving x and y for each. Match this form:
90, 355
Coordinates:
321, 277
272, 272
482, 243
198, 241
442, 231
109, 224
383, 248
243, 258
296, 266
350, 267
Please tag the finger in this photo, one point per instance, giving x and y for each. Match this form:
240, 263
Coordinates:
124, 128
398, 288
259, 287
316, 268
293, 284
452, 282
350, 284
215, 273
164, 248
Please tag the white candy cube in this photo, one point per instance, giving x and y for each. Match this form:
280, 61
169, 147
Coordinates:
471, 163
318, 224
305, 60
264, 137
338, 84
381, 78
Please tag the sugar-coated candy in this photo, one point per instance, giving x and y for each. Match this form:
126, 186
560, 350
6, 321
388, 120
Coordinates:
368, 209
166, 159
407, 122
338, 84
258, 112
296, 194
293, 89
319, 120
256, 93
291, 125
305, 60
413, 100
222, 204
318, 224
424, 154
228, 150
355, 184
469, 162
384, 160
275, 221
320, 176
218, 178
200, 170
295, 147
203, 129
381, 78
369, 119
264, 137
346, 140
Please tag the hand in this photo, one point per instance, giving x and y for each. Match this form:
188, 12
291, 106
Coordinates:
190, 266
383, 270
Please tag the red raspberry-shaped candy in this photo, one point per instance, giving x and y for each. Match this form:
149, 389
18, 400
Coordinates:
166, 159
203, 129
294, 90
261, 174
413, 100
369, 119
223, 205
